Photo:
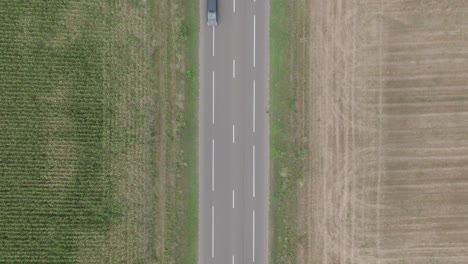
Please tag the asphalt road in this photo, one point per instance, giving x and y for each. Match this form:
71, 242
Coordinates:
233, 134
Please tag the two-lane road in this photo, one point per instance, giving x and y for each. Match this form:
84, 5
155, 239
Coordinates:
233, 133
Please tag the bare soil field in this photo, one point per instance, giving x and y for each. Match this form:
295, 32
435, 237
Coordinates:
383, 107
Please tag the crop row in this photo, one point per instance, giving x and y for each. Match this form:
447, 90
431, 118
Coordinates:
58, 117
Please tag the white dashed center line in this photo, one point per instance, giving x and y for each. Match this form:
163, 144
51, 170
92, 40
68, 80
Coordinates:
212, 231
253, 115
253, 171
213, 99
233, 134
212, 165
253, 237
233, 69
254, 41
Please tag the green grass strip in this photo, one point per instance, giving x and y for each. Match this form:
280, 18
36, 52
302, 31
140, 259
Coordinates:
189, 138
284, 174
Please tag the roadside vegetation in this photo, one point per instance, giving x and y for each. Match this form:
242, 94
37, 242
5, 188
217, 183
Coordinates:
176, 64
286, 152
98, 139
288, 70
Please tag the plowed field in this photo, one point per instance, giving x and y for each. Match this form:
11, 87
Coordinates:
385, 111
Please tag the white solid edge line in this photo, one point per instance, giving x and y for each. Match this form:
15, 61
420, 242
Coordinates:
253, 122
233, 69
254, 42
213, 94
233, 134
253, 237
212, 165
253, 171
233, 199
212, 231
213, 41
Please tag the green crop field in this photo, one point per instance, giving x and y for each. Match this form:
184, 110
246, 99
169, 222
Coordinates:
87, 137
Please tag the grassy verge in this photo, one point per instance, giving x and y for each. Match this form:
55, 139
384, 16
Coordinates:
189, 139
286, 155
177, 167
